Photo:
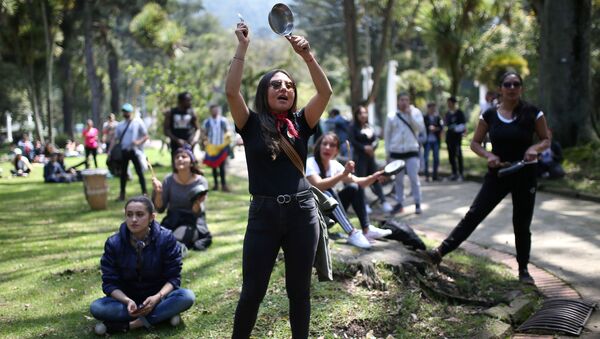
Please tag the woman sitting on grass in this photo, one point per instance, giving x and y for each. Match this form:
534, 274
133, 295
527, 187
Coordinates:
182, 194
324, 172
141, 274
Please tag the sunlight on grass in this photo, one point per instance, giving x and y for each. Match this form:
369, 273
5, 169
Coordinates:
51, 243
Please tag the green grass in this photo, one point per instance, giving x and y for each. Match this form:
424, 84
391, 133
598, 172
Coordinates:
51, 243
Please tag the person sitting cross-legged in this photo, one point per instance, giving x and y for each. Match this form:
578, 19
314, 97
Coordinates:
324, 172
141, 274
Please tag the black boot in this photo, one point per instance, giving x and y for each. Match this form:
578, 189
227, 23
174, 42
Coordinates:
525, 277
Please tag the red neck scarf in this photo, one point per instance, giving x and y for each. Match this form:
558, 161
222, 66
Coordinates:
281, 118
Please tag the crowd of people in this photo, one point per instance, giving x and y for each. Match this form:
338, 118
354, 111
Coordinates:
141, 264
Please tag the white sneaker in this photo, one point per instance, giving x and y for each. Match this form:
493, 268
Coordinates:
357, 239
175, 320
377, 233
386, 207
368, 209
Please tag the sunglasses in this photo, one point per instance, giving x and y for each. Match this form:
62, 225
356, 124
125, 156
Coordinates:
276, 84
514, 84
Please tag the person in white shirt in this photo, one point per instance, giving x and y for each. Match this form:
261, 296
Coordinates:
401, 142
324, 172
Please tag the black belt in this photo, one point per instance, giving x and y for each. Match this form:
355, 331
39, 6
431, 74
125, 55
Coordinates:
283, 199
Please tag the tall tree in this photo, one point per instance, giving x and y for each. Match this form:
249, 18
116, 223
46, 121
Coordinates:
93, 79
70, 14
565, 68
49, 44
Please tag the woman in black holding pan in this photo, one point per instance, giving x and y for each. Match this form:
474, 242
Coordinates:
511, 127
283, 213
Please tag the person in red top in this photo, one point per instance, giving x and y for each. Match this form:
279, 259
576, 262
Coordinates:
90, 136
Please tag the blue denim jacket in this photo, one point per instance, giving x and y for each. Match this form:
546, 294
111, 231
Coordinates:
161, 263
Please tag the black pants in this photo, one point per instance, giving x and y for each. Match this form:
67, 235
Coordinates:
220, 171
454, 154
295, 228
131, 155
93, 152
522, 186
365, 165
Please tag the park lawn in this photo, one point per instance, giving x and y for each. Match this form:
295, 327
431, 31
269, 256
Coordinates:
51, 243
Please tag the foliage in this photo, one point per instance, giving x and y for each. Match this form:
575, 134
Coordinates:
499, 63
152, 28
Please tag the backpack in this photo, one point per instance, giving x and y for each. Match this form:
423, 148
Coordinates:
403, 233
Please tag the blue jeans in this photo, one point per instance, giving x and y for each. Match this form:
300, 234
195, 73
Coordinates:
110, 309
435, 147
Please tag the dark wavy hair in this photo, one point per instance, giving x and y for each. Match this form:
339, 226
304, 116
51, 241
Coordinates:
520, 109
267, 121
356, 112
144, 200
317, 150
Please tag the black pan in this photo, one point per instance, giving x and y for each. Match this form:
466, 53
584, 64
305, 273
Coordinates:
394, 167
514, 167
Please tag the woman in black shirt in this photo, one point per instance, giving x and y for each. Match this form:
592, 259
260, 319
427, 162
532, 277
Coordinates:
364, 142
511, 128
283, 213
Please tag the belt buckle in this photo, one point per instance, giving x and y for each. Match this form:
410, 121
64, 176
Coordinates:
284, 199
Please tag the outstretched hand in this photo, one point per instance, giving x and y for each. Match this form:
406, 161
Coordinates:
300, 44
242, 32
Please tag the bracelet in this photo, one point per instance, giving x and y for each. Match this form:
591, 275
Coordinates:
240, 59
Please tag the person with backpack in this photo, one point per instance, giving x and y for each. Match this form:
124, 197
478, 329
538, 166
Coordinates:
130, 136
182, 194
401, 142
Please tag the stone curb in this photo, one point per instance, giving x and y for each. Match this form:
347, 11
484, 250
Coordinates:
548, 284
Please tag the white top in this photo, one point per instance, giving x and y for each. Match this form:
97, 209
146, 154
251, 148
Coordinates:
313, 168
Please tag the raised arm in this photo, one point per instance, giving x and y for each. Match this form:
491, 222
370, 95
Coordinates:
315, 107
239, 110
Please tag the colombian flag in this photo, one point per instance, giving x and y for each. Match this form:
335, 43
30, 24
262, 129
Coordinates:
216, 154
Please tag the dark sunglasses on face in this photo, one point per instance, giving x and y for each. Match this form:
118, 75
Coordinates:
276, 84
514, 84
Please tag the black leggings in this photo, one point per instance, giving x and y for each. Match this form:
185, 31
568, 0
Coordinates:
93, 152
295, 228
454, 154
365, 165
522, 186
355, 195
131, 155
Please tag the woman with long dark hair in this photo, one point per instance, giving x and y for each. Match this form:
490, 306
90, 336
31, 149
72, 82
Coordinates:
364, 142
182, 195
283, 212
324, 172
511, 126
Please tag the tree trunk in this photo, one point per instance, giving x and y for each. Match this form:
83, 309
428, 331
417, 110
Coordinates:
351, 43
565, 69
35, 105
113, 74
381, 59
90, 65
49, 40
65, 70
